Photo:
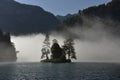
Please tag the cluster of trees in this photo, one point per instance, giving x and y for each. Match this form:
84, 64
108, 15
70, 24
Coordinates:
110, 10
105, 12
69, 49
7, 48
57, 52
46, 48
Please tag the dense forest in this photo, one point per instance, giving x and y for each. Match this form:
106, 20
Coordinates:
108, 14
7, 48
110, 10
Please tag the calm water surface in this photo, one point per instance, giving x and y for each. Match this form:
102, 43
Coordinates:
67, 71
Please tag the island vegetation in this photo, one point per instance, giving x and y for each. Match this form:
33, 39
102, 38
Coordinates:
7, 49
57, 54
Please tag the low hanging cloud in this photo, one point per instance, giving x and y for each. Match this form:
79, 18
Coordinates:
94, 43
30, 46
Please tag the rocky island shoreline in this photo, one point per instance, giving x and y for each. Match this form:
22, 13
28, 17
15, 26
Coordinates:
56, 61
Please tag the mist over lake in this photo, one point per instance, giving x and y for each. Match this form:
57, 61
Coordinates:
59, 40
102, 50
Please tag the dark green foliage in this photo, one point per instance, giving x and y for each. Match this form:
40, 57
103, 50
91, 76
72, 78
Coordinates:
69, 49
7, 48
56, 51
108, 14
46, 47
110, 10
58, 54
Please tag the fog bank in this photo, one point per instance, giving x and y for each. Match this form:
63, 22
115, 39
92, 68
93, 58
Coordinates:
87, 51
93, 43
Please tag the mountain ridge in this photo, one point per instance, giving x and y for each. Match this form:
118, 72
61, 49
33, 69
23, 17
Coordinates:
107, 15
18, 18
111, 10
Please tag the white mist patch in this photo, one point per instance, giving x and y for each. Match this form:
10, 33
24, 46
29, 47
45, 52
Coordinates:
30, 47
103, 51
93, 43
87, 51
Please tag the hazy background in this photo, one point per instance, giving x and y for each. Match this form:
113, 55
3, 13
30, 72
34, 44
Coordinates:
94, 44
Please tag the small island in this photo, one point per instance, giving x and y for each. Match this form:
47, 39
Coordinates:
57, 54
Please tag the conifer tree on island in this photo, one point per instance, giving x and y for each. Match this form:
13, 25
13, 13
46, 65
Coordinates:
68, 48
46, 47
58, 54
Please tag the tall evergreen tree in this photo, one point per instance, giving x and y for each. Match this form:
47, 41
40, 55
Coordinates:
46, 47
68, 48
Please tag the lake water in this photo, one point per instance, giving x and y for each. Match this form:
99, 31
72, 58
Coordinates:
66, 71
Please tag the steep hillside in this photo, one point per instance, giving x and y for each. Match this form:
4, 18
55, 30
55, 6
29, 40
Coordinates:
107, 14
110, 10
7, 48
24, 19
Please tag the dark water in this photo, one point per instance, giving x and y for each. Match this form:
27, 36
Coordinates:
68, 71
